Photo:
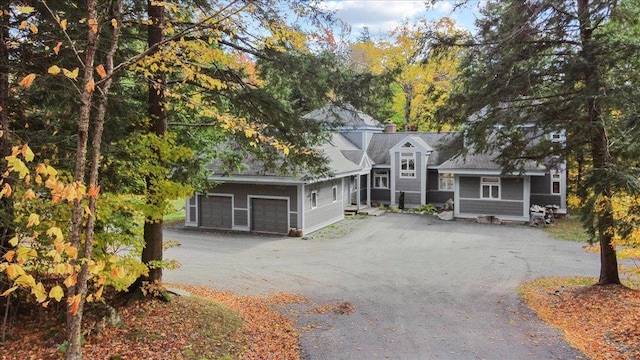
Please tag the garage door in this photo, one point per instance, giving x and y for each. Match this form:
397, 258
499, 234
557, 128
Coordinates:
269, 215
216, 212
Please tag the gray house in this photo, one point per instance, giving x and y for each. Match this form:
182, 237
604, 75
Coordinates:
374, 165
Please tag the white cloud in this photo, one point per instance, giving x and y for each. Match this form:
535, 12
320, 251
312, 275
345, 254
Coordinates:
382, 16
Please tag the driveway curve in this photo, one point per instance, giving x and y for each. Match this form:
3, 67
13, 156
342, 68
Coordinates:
421, 288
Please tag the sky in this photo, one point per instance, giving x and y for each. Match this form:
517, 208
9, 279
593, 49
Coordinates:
381, 16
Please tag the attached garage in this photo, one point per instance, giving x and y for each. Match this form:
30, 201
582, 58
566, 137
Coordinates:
216, 211
270, 215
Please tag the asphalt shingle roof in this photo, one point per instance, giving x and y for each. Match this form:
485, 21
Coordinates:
444, 145
343, 116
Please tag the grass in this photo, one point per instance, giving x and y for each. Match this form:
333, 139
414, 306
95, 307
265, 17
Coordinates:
178, 214
569, 229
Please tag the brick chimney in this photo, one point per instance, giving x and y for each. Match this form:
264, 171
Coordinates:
390, 127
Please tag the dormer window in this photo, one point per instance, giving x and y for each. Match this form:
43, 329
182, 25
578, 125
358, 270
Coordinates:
407, 165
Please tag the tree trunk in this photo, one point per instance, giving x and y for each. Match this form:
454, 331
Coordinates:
7, 230
599, 149
408, 93
153, 227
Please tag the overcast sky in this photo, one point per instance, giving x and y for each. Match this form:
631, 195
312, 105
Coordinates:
380, 16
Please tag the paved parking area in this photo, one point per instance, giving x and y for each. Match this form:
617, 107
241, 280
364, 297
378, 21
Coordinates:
421, 288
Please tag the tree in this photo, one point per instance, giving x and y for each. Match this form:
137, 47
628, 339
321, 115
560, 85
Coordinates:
420, 77
567, 68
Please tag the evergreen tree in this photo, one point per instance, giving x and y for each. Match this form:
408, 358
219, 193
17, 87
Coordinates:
570, 67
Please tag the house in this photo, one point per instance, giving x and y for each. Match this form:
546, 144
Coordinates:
372, 165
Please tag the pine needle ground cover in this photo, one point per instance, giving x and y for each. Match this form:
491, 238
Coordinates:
601, 321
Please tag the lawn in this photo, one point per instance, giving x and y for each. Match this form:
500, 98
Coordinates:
569, 229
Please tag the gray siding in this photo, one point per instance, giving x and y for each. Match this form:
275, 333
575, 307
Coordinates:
327, 211
410, 199
543, 199
404, 184
541, 184
241, 217
432, 180
469, 187
381, 195
512, 188
491, 207
439, 197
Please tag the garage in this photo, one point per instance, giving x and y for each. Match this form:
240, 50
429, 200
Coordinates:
216, 211
270, 215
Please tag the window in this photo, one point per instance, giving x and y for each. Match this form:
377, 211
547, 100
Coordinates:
446, 182
314, 199
407, 165
490, 187
555, 183
380, 179
334, 193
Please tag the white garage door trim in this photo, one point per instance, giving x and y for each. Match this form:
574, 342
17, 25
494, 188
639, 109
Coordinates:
250, 199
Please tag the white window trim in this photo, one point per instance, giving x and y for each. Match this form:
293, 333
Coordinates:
380, 174
451, 182
490, 183
407, 158
334, 193
314, 199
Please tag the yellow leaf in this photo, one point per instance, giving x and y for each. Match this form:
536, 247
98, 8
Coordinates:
25, 9
26, 280
27, 80
63, 24
55, 232
27, 153
13, 271
249, 132
114, 23
34, 219
60, 269
56, 293
71, 280
72, 252
33, 28
73, 75
39, 292
54, 70
91, 86
24, 253
56, 49
96, 268
14, 241
285, 150
9, 255
9, 291
101, 71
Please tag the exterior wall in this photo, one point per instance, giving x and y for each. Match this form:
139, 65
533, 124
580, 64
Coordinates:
411, 187
434, 195
511, 205
328, 211
381, 196
242, 194
438, 198
541, 192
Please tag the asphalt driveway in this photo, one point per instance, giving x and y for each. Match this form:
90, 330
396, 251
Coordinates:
421, 288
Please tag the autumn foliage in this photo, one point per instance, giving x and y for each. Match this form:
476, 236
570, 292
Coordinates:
601, 321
